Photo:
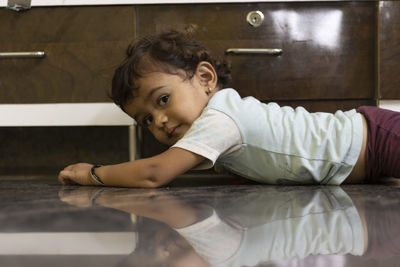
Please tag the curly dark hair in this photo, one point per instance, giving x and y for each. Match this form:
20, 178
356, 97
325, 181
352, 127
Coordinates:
169, 52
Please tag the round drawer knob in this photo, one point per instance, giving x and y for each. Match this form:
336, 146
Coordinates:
255, 18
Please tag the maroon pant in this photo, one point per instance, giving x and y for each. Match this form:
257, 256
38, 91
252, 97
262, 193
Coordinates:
383, 144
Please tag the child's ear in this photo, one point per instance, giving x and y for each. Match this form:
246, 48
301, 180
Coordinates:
207, 75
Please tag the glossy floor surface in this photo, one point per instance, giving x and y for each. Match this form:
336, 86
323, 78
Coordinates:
45, 224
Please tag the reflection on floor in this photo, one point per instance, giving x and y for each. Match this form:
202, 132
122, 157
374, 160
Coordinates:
45, 224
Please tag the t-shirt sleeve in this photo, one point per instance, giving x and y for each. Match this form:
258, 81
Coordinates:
212, 135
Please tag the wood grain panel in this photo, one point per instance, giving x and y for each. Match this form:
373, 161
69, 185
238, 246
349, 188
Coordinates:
46, 150
389, 38
83, 47
328, 47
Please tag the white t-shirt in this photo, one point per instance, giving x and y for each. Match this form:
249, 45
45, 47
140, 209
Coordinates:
275, 145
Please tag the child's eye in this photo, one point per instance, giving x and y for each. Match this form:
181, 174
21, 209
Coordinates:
163, 100
147, 121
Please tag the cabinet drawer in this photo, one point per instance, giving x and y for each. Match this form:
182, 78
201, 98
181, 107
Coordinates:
389, 29
328, 47
83, 45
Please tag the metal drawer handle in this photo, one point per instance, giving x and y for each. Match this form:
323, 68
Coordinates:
267, 51
19, 5
39, 54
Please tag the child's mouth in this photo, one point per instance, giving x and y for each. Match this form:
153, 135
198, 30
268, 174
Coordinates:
171, 131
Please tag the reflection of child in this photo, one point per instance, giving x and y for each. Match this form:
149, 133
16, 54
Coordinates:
320, 222
171, 85
244, 226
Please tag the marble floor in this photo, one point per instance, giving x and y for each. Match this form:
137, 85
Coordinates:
45, 224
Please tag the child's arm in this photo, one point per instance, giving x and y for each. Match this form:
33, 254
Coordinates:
149, 172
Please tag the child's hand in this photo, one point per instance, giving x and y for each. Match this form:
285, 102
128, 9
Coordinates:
81, 197
76, 174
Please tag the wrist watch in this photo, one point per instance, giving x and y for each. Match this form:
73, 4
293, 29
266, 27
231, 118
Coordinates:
94, 176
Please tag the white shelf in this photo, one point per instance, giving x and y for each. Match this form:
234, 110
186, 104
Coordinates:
76, 114
90, 243
390, 104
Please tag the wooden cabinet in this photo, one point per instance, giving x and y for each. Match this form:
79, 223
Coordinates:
83, 45
328, 47
389, 49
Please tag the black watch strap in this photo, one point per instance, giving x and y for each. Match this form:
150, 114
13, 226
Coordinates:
94, 176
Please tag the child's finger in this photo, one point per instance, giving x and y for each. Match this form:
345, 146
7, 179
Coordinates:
65, 177
60, 178
68, 168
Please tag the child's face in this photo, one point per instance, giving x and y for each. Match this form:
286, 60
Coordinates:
168, 104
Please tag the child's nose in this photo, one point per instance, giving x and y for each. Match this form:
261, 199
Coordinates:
161, 119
